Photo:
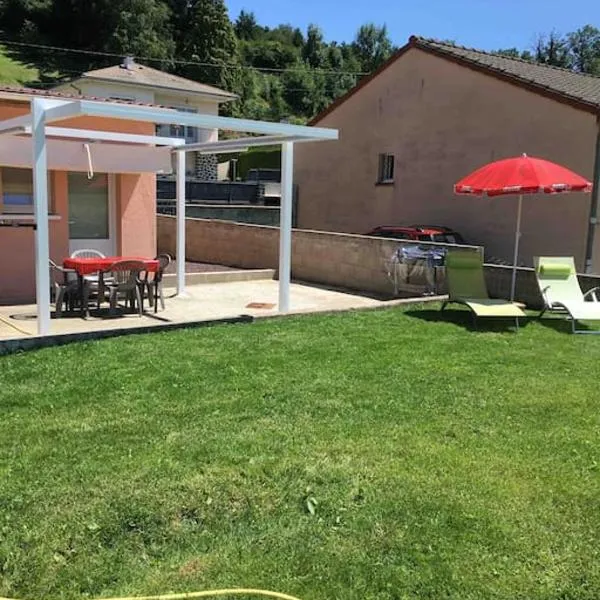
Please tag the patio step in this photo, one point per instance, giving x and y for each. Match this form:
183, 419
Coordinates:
170, 279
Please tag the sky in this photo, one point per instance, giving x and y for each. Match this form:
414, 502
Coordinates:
484, 24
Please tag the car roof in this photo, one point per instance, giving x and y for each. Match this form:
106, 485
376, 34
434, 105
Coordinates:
413, 228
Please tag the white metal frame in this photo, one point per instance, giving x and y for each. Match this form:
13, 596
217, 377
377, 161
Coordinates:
46, 111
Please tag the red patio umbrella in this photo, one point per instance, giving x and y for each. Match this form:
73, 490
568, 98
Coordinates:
521, 175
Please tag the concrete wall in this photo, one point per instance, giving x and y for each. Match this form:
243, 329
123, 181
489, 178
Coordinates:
348, 261
335, 259
442, 121
256, 215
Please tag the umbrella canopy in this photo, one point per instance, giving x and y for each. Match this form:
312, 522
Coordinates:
521, 175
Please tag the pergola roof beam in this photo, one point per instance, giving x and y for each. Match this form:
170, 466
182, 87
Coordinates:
66, 110
239, 144
109, 136
202, 121
15, 124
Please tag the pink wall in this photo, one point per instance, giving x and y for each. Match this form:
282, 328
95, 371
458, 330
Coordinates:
136, 205
136, 216
442, 121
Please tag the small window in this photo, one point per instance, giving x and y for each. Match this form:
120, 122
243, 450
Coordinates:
17, 191
386, 168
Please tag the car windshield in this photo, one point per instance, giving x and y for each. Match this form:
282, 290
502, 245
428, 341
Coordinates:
448, 238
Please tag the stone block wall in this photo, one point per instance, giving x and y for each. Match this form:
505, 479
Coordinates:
207, 167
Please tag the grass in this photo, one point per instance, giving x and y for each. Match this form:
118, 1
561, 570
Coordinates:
374, 455
12, 72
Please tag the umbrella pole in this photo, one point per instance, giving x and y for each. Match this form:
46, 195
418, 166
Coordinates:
513, 284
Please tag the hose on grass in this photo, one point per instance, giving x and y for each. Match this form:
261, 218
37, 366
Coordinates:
204, 594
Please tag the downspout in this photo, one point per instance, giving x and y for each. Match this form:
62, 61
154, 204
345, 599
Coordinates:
595, 201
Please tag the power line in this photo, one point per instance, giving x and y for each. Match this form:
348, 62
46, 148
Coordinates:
183, 62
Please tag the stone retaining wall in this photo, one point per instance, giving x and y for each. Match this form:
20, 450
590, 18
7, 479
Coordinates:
342, 260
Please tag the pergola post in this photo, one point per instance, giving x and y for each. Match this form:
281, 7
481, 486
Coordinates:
180, 212
285, 225
40, 209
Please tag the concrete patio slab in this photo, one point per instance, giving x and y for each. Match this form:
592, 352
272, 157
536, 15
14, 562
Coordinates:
203, 302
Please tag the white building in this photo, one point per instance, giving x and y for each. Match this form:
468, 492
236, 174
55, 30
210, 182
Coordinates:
134, 82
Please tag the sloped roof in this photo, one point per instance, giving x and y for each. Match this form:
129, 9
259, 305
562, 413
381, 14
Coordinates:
577, 89
26, 93
137, 74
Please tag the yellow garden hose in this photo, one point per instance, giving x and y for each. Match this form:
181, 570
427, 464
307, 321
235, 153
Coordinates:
7, 322
223, 592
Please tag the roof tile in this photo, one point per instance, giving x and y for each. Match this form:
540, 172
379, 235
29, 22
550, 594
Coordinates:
138, 74
570, 84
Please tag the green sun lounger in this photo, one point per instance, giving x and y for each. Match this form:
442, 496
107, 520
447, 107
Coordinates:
557, 279
466, 285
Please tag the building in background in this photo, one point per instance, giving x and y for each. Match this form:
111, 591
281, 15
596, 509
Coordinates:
138, 83
434, 113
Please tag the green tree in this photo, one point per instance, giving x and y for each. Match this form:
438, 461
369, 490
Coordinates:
142, 29
584, 48
552, 49
314, 50
515, 53
266, 54
205, 35
246, 27
372, 46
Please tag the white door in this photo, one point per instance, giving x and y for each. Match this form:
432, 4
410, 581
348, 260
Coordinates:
92, 213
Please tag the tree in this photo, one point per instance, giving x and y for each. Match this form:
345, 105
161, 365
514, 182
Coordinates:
142, 29
313, 52
552, 49
584, 48
205, 35
246, 27
515, 53
265, 54
372, 46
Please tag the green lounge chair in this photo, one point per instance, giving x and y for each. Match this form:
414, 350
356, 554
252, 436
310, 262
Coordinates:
466, 285
557, 279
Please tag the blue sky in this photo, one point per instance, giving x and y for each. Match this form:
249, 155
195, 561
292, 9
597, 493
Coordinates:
485, 24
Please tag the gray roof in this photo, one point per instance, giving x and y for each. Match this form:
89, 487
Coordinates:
137, 74
563, 85
569, 84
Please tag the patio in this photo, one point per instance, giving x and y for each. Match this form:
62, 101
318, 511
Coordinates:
202, 303
47, 139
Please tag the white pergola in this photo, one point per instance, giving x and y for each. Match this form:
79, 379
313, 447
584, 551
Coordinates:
67, 148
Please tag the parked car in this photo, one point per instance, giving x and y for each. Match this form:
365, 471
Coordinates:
421, 233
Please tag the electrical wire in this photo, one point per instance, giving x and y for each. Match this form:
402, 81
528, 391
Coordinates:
181, 62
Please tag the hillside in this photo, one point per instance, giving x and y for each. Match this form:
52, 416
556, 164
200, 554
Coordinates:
13, 72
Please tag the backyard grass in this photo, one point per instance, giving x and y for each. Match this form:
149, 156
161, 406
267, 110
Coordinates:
372, 455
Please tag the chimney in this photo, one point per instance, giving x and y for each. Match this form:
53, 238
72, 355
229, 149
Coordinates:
128, 62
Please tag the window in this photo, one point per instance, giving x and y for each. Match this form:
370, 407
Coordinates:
88, 207
386, 168
190, 134
16, 191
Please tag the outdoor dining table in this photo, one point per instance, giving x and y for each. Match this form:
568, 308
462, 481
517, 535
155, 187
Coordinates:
90, 266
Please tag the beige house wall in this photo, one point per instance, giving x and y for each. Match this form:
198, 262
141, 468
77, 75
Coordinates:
441, 121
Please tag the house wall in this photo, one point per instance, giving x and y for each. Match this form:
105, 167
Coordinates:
136, 209
442, 121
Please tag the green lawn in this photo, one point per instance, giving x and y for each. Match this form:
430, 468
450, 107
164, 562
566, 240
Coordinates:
373, 455
12, 72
